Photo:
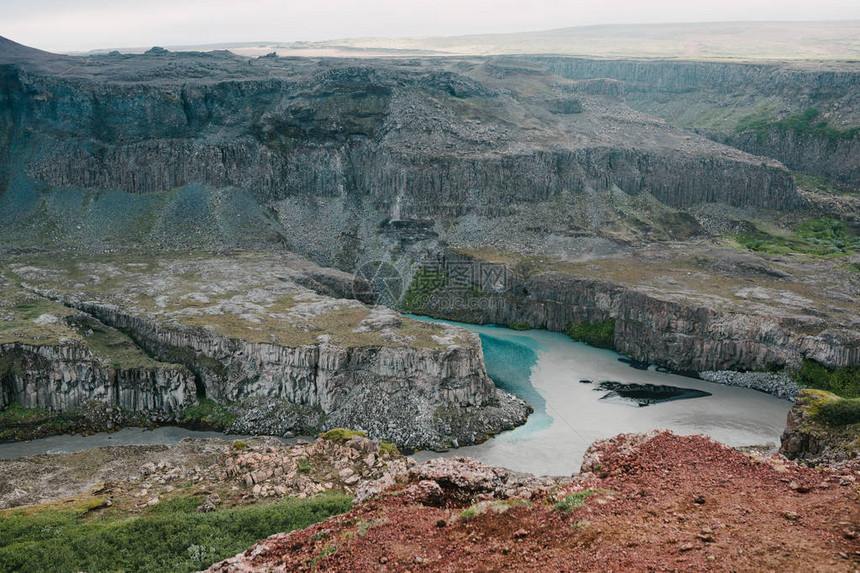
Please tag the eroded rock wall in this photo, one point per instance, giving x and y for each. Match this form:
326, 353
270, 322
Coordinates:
692, 94
649, 326
64, 377
399, 140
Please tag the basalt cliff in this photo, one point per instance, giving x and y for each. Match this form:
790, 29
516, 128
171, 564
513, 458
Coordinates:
159, 337
806, 115
321, 155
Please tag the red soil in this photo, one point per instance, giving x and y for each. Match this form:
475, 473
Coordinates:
670, 503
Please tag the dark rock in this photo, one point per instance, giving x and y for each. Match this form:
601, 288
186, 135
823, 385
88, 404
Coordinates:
646, 394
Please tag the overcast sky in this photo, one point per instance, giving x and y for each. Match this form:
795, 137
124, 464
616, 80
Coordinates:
65, 25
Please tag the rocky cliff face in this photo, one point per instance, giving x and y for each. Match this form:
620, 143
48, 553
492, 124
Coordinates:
64, 377
256, 333
686, 331
58, 359
713, 98
179, 141
811, 440
832, 157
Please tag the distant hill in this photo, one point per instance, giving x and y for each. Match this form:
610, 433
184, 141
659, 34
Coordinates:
14, 53
838, 40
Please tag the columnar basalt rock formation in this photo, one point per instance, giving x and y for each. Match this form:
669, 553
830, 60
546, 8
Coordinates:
274, 139
669, 327
247, 329
63, 377
711, 97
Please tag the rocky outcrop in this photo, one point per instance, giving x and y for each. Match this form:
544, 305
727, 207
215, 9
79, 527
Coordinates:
811, 440
250, 332
832, 157
692, 94
779, 385
400, 394
455, 482
423, 521
65, 377
650, 326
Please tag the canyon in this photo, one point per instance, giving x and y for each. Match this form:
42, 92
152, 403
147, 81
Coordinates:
590, 191
240, 240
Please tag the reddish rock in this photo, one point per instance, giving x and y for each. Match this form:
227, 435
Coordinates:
751, 521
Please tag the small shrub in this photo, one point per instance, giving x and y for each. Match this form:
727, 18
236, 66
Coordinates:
469, 513
239, 445
844, 382
494, 506
815, 237
573, 501
341, 434
390, 448
597, 334
328, 550
209, 414
516, 325
841, 412
423, 285
807, 122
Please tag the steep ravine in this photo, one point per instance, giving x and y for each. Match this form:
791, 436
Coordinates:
713, 98
269, 151
651, 326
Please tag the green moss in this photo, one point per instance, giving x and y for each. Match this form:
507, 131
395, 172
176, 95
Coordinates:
824, 184
15, 413
7, 364
341, 434
171, 537
844, 382
516, 325
840, 412
469, 513
326, 551
25, 307
831, 420
806, 122
114, 347
390, 448
491, 506
597, 334
816, 237
19, 423
69, 273
209, 413
573, 501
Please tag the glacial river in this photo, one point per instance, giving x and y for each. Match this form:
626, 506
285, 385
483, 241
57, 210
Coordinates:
545, 369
